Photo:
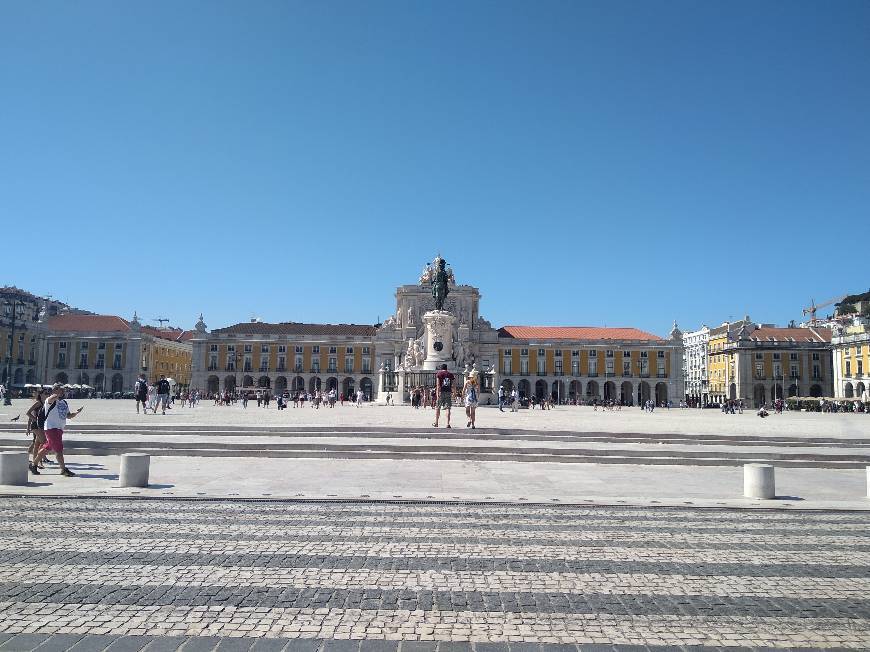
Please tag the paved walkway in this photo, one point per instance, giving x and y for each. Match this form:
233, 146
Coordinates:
84, 574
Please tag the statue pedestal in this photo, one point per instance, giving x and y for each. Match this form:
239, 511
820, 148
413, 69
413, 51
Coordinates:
439, 339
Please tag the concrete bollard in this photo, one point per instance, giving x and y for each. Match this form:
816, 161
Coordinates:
758, 481
13, 468
134, 469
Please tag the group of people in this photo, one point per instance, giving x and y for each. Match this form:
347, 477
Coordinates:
159, 395
46, 421
445, 392
314, 399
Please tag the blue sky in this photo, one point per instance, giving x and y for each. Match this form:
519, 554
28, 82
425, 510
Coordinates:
616, 163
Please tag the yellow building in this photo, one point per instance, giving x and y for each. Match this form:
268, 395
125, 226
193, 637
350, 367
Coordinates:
760, 364
285, 357
585, 364
851, 350
108, 353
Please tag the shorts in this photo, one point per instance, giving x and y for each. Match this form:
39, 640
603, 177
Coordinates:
53, 440
445, 401
470, 402
142, 398
162, 398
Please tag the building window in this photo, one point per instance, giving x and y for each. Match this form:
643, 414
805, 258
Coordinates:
248, 348
315, 366
575, 353
817, 372
793, 371
366, 365
524, 366
282, 348
860, 365
660, 368
759, 370
776, 356
593, 367
558, 353
848, 367
815, 356
660, 354
575, 367
542, 366
366, 350
332, 364
247, 366
626, 354
626, 367
116, 364
282, 363
559, 367
348, 350
83, 361
507, 353
298, 349
506, 365
759, 356
231, 348
332, 349
264, 348
541, 353
792, 356
212, 362
315, 350
213, 348
348, 364
608, 353
593, 353
524, 351
609, 366
298, 366
644, 354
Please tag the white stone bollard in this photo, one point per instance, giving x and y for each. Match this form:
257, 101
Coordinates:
758, 481
13, 468
134, 469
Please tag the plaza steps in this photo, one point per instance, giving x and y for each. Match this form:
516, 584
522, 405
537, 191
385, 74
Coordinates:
459, 444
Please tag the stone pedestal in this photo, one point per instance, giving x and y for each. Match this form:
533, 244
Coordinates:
758, 481
439, 339
13, 468
134, 469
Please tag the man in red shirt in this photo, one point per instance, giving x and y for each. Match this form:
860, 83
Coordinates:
443, 393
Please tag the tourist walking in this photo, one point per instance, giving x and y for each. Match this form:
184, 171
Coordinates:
515, 400
141, 391
162, 394
443, 393
56, 411
501, 398
470, 392
36, 424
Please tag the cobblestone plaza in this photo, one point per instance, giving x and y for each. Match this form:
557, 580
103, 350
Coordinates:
85, 574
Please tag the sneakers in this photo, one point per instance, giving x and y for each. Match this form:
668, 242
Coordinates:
68, 473
33, 469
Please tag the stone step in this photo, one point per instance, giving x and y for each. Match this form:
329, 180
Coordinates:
447, 452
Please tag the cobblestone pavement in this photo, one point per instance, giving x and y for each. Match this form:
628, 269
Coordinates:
111, 574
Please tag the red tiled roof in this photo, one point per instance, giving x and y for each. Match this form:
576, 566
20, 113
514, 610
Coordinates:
293, 328
770, 334
95, 323
171, 334
575, 333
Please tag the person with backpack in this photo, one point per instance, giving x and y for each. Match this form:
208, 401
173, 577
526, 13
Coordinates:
443, 393
56, 412
141, 391
162, 394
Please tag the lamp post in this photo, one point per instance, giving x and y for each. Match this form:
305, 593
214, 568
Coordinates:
16, 306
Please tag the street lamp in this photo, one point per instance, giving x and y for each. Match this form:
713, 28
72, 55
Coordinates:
17, 311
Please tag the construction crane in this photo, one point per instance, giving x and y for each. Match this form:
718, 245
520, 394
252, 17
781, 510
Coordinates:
161, 321
811, 309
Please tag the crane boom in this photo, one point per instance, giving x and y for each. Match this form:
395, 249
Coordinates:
811, 309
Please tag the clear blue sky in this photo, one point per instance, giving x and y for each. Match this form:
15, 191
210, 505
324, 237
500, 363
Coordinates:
619, 163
